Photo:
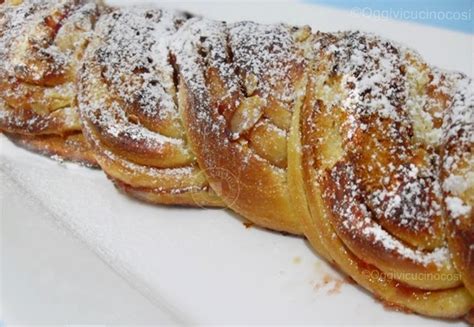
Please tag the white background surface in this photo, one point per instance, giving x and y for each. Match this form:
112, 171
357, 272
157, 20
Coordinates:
73, 250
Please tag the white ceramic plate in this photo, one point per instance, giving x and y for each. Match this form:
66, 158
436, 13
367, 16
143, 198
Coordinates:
179, 265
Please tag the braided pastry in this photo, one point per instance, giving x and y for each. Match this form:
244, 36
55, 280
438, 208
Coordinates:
351, 140
41, 44
239, 85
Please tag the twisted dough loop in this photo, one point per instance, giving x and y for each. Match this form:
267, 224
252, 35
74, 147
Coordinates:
237, 108
127, 99
458, 177
41, 44
371, 171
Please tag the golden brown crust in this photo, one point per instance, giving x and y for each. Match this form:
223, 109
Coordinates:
191, 198
70, 147
470, 317
21, 120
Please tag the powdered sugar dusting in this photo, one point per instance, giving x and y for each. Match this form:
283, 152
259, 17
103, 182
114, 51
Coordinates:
266, 52
458, 142
407, 200
376, 88
456, 207
439, 256
370, 67
357, 220
130, 59
41, 45
12, 20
